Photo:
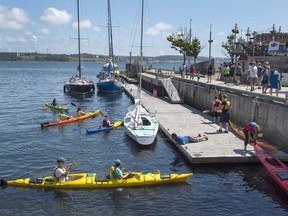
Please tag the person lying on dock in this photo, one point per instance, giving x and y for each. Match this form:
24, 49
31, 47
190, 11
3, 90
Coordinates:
188, 139
61, 171
250, 131
55, 102
118, 171
80, 112
62, 116
106, 122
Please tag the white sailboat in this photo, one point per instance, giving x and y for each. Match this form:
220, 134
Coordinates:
141, 125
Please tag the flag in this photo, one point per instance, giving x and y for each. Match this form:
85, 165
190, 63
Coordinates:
274, 45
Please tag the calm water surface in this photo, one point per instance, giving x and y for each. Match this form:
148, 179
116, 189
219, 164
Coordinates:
27, 150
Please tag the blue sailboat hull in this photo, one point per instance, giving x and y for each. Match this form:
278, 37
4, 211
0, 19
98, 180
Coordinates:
110, 86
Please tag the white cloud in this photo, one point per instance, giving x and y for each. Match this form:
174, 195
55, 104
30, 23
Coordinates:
14, 18
85, 24
220, 33
44, 31
54, 16
97, 29
23, 38
158, 29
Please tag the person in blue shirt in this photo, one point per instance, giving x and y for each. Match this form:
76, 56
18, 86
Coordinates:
54, 102
188, 139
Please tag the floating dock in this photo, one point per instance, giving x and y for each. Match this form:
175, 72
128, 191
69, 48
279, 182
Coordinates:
187, 121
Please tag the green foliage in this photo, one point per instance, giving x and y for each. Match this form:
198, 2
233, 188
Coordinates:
229, 45
181, 43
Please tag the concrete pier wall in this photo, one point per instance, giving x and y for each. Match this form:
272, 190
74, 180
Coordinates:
271, 115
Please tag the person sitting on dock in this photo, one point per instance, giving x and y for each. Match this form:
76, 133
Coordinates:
250, 130
106, 122
54, 102
62, 116
61, 171
188, 139
118, 171
80, 112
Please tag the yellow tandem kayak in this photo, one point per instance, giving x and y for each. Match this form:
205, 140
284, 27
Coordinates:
98, 180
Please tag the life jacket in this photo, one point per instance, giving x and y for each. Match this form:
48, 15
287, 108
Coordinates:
79, 114
217, 103
227, 105
62, 116
105, 123
250, 126
112, 168
63, 169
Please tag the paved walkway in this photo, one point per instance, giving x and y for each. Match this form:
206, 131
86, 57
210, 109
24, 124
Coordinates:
185, 120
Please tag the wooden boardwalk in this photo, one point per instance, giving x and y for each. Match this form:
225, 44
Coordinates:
185, 120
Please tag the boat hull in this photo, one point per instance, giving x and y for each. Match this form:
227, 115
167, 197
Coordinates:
109, 86
80, 89
99, 180
74, 119
59, 108
274, 167
101, 129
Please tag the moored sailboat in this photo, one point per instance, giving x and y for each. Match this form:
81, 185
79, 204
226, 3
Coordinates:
79, 85
108, 79
141, 125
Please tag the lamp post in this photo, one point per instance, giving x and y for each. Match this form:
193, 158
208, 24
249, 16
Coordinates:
235, 31
210, 41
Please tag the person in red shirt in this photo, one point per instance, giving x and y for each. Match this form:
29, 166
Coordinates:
250, 130
216, 107
106, 122
192, 72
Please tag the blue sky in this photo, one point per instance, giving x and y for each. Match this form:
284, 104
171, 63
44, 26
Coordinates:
48, 25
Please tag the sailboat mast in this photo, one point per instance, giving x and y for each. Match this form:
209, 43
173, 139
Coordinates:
141, 52
110, 37
79, 49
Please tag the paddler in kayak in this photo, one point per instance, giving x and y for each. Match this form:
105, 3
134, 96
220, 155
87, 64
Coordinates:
106, 122
250, 130
62, 116
61, 171
55, 102
188, 139
80, 112
118, 171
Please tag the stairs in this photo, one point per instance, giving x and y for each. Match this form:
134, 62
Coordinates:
171, 90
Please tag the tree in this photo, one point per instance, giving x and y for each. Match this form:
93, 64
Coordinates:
229, 46
196, 49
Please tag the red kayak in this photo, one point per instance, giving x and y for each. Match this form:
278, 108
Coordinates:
276, 169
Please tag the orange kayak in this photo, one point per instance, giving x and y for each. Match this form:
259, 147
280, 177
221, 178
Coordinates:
73, 119
263, 144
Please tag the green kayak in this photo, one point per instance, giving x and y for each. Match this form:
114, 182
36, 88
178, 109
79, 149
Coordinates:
56, 107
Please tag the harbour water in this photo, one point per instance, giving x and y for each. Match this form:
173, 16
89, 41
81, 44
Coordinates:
27, 150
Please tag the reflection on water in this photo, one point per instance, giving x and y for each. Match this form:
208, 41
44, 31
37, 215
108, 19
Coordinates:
29, 151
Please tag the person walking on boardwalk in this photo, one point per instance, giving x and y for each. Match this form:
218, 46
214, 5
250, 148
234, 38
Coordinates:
192, 72
209, 73
259, 74
274, 80
265, 78
252, 75
250, 131
238, 73
226, 73
225, 115
216, 107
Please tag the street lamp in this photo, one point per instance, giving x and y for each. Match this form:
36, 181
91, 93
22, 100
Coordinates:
210, 41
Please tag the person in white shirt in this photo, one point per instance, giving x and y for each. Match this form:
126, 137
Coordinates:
252, 75
61, 171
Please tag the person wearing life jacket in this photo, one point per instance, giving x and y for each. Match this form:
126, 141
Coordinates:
80, 112
216, 107
61, 171
225, 115
250, 130
118, 171
106, 122
54, 102
62, 116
